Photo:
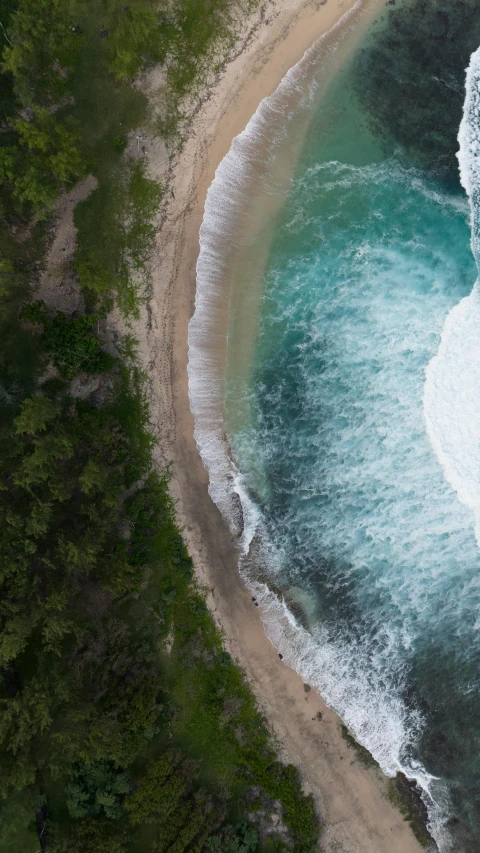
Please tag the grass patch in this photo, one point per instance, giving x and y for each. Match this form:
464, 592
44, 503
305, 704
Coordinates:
114, 223
115, 234
196, 40
106, 111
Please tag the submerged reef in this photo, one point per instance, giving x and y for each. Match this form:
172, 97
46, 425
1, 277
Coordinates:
411, 78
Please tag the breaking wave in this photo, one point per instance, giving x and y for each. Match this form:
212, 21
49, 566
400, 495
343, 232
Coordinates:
452, 387
363, 674
245, 168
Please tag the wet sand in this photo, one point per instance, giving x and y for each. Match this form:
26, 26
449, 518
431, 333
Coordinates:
350, 799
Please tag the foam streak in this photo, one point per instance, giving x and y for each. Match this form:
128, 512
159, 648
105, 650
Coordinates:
452, 387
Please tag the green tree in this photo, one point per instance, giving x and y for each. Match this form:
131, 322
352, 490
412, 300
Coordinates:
91, 835
8, 278
70, 342
41, 41
18, 832
135, 37
45, 155
166, 782
241, 839
93, 570
35, 413
96, 788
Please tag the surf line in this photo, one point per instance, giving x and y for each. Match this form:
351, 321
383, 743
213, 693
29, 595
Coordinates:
451, 400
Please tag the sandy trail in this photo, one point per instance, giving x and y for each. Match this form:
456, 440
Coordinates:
350, 799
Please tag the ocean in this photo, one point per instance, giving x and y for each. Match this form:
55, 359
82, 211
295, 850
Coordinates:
339, 413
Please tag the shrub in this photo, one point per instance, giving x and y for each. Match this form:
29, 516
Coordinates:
69, 342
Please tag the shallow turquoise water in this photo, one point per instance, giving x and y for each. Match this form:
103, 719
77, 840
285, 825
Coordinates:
368, 258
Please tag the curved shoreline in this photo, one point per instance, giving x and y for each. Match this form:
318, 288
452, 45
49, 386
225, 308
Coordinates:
351, 800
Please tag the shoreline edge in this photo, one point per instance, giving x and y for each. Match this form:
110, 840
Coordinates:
352, 800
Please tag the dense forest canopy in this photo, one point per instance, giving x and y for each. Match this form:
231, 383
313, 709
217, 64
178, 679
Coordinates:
124, 725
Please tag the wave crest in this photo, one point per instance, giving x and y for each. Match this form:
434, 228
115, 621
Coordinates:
452, 386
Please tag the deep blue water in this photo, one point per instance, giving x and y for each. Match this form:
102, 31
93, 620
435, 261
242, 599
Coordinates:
369, 256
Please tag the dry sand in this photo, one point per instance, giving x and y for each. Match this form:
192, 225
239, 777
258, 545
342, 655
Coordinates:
350, 799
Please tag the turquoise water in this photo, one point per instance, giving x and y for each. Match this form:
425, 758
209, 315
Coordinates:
342, 437
362, 528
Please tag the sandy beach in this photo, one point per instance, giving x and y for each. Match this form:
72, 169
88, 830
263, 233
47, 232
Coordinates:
350, 799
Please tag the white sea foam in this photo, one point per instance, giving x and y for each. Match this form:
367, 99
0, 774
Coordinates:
240, 170
452, 380
452, 387
374, 711
375, 714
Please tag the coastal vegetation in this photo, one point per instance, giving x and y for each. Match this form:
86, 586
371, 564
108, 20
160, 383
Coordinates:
124, 723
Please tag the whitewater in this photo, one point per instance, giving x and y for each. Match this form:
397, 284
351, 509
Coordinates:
352, 479
452, 388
